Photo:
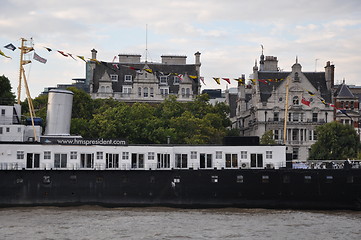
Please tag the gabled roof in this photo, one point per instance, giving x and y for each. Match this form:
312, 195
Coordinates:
344, 92
317, 79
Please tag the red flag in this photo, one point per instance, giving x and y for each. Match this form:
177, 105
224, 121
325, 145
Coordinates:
62, 53
227, 80
263, 81
306, 102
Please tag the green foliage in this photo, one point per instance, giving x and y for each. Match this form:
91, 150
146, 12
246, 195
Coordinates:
6, 96
267, 138
335, 141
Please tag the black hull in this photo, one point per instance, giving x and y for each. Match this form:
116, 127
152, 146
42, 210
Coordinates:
268, 188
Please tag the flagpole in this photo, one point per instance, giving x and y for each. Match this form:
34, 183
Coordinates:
286, 112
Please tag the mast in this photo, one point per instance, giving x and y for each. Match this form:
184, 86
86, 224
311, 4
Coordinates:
286, 111
24, 50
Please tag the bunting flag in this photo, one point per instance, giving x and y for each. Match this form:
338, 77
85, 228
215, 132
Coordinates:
71, 55
116, 66
311, 93
240, 80
180, 76
10, 46
82, 58
227, 80
62, 53
306, 102
343, 111
217, 81
49, 49
3, 54
262, 81
94, 60
253, 81
148, 70
202, 79
114, 58
38, 58
192, 77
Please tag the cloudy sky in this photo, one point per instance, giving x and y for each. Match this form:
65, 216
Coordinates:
227, 33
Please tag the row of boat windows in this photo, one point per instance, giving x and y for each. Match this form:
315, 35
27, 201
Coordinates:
163, 160
214, 179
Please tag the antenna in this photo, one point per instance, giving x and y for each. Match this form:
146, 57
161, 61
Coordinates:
316, 64
146, 43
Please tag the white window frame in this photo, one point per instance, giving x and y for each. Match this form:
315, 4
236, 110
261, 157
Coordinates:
114, 77
243, 155
164, 91
163, 80
125, 155
269, 154
128, 78
127, 89
176, 80
100, 155
193, 154
73, 155
47, 154
219, 154
20, 154
151, 156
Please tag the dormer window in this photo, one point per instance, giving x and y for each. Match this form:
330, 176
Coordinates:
114, 77
128, 78
297, 78
163, 80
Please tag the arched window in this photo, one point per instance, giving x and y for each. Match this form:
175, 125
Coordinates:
145, 93
139, 92
295, 100
188, 92
183, 92
151, 94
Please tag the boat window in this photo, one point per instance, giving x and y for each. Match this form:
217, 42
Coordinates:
307, 179
214, 179
73, 155
256, 160
125, 155
176, 180
181, 160
265, 179
112, 160
163, 160
231, 160
20, 155
205, 160
151, 156
243, 154
193, 155
99, 155
218, 154
240, 179
32, 160
60, 160
137, 160
47, 155
86, 160
329, 179
269, 154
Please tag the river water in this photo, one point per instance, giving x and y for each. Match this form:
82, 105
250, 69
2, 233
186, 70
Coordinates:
92, 222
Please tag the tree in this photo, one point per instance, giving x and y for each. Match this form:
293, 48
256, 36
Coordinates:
335, 141
6, 96
267, 138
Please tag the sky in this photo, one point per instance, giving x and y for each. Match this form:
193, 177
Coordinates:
227, 33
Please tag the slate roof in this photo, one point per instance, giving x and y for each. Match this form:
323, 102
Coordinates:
158, 69
344, 92
317, 79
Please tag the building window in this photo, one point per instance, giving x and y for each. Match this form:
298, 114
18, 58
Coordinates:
145, 92
47, 155
139, 92
151, 156
7, 129
276, 134
164, 91
314, 117
60, 160
175, 80
1, 130
125, 155
295, 153
20, 155
218, 154
193, 155
183, 92
163, 80
276, 116
243, 154
114, 77
181, 160
99, 155
2, 112
295, 100
73, 155
127, 90
269, 154
128, 78
151, 92
188, 92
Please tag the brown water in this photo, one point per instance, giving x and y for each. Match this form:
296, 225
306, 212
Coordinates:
89, 222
